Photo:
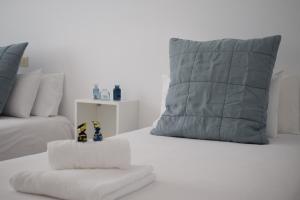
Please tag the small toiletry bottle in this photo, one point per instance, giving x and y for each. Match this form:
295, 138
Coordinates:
105, 95
96, 92
117, 93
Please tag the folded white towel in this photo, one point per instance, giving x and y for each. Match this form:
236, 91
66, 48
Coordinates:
84, 184
109, 153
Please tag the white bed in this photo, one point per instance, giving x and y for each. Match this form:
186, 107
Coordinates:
197, 169
24, 136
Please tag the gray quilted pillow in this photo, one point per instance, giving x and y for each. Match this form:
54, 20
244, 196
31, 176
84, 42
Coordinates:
10, 57
219, 89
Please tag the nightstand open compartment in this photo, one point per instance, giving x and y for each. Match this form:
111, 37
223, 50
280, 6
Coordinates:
114, 116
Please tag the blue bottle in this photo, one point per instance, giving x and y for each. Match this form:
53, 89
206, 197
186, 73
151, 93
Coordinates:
117, 93
96, 92
97, 136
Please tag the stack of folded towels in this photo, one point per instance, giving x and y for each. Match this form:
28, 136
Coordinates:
92, 170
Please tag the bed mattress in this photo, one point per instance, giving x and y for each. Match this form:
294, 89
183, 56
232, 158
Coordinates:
24, 136
196, 169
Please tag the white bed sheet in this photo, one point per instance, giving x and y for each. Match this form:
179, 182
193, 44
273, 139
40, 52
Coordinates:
197, 169
24, 136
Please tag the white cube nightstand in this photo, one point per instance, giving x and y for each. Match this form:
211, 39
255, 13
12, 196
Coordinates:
114, 116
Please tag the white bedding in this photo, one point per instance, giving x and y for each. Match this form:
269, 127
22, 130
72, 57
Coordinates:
83, 184
197, 169
23, 136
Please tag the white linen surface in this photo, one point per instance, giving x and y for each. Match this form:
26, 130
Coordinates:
23, 136
110, 153
196, 169
83, 184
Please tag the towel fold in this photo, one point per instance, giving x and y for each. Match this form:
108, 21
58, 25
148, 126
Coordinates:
83, 184
109, 153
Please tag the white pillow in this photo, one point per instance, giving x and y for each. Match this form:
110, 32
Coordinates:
273, 104
272, 118
289, 107
165, 88
21, 99
49, 95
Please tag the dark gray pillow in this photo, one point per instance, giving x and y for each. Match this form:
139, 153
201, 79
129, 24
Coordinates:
219, 89
10, 57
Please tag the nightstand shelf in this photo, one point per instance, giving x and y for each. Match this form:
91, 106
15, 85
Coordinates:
115, 117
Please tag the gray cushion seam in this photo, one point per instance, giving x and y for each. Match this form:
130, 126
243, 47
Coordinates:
244, 92
4, 52
5, 77
187, 82
188, 93
228, 78
191, 115
233, 51
12, 53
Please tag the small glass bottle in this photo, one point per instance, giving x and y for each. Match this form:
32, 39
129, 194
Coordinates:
117, 93
96, 92
105, 95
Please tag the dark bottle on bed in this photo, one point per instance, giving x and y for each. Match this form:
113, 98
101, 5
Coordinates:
117, 93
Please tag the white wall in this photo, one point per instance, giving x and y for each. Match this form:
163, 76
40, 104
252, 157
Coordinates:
126, 41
